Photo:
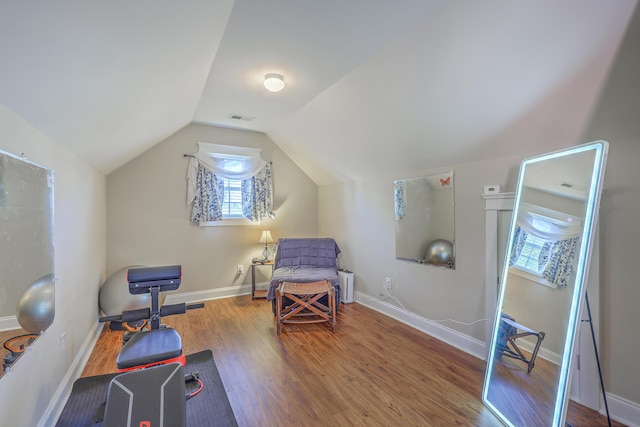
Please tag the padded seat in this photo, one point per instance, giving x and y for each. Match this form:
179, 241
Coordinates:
305, 306
150, 348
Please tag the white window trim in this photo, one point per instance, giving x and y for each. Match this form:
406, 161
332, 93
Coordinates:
228, 222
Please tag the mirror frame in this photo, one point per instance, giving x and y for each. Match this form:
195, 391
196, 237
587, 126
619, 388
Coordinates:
422, 214
38, 295
581, 274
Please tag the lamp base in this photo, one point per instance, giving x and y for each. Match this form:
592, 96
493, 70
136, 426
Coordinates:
266, 252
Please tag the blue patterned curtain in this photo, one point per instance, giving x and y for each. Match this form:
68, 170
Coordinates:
208, 196
519, 238
558, 257
257, 195
399, 189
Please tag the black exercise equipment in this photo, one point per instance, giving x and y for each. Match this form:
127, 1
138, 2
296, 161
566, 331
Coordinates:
151, 389
16, 346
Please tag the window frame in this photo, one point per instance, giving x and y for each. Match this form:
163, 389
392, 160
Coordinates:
529, 274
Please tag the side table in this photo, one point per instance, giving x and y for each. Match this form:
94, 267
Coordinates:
258, 294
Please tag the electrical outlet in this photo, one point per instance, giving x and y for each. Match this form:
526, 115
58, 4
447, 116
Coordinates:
387, 283
239, 269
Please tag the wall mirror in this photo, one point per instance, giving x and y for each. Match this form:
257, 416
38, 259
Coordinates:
556, 204
424, 213
26, 255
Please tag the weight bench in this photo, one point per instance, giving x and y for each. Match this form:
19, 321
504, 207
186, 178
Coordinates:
305, 306
151, 389
509, 332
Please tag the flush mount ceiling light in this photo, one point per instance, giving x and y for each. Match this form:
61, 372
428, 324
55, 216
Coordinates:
274, 82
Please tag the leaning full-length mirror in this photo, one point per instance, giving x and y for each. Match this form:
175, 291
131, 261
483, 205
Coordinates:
424, 212
26, 255
555, 211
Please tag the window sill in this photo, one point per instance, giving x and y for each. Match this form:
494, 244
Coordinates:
228, 222
532, 277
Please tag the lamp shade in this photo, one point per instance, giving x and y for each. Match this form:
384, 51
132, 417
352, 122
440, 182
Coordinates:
266, 237
274, 82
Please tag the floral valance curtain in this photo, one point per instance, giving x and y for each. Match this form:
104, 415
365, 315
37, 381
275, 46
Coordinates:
257, 195
558, 257
400, 191
559, 250
205, 193
205, 190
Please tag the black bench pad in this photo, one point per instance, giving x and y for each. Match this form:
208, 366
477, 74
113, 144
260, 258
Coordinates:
149, 347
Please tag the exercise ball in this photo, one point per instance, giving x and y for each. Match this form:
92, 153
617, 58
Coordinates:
440, 252
36, 305
114, 296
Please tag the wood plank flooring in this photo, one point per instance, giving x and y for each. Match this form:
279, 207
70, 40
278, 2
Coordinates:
373, 371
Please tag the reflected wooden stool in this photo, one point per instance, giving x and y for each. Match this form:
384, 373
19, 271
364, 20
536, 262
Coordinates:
305, 306
512, 330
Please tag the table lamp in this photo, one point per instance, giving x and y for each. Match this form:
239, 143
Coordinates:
266, 239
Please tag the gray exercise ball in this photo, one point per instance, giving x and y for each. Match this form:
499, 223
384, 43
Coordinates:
36, 305
440, 252
115, 298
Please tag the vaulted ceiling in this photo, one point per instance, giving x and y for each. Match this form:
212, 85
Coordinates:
403, 85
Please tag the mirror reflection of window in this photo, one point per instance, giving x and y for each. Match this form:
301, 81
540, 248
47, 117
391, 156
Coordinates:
529, 258
544, 247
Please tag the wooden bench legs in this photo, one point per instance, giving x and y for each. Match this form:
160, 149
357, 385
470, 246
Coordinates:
305, 306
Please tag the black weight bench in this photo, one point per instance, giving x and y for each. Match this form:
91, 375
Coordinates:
151, 389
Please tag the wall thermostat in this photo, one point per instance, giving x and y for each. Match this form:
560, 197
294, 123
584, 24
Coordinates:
491, 189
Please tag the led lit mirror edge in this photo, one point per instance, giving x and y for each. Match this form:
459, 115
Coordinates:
50, 200
591, 215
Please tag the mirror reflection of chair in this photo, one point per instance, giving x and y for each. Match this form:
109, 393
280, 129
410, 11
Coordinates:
299, 303
510, 331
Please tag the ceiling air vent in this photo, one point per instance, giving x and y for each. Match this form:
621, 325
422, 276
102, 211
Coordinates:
241, 117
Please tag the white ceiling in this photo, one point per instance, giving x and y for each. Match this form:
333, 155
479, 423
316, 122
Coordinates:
403, 85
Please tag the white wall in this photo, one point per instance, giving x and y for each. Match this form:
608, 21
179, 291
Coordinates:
80, 242
620, 283
148, 221
360, 215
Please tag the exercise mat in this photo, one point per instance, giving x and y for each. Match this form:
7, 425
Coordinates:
210, 407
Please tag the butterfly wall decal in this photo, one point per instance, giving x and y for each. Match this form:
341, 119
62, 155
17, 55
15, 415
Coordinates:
445, 182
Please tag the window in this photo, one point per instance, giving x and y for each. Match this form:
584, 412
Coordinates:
544, 247
229, 184
232, 195
528, 259
232, 200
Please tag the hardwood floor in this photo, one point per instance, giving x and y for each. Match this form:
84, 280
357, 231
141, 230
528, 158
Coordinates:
373, 371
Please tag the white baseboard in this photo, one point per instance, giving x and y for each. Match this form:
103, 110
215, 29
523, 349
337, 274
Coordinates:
59, 399
9, 323
209, 294
622, 410
464, 342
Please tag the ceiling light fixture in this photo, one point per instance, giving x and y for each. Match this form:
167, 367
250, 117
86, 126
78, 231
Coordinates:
274, 82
